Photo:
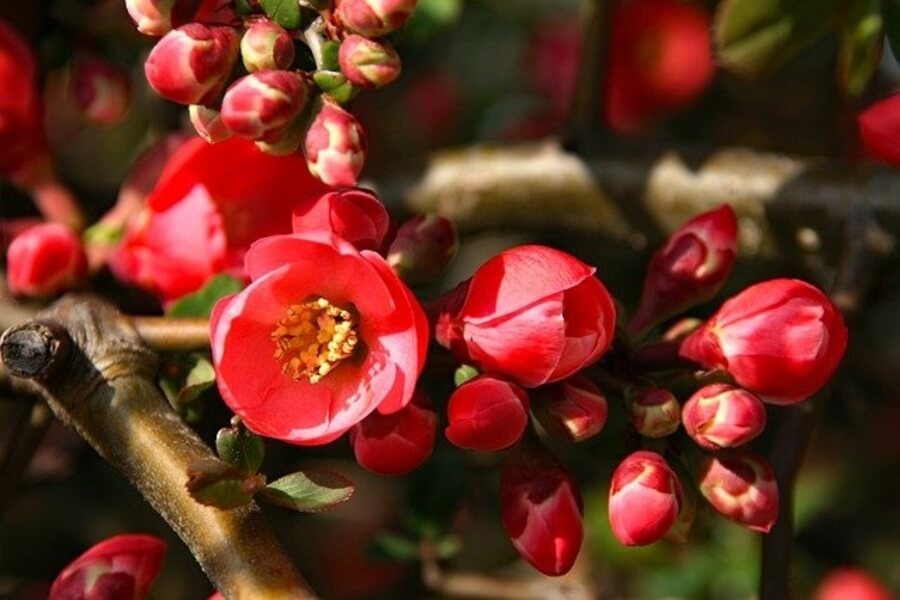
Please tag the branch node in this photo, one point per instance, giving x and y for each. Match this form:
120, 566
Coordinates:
33, 349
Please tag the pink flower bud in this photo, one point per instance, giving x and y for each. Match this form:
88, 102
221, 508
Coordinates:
397, 443
99, 90
691, 268
123, 566
373, 17
741, 486
189, 65
356, 215
487, 414
644, 499
879, 129
208, 123
266, 46
152, 17
368, 63
849, 583
45, 260
781, 339
423, 247
541, 509
655, 412
335, 146
723, 416
574, 409
261, 106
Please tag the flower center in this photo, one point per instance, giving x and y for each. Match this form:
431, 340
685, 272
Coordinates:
313, 338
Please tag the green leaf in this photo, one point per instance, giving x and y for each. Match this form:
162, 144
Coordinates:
201, 302
431, 16
464, 373
284, 12
183, 378
103, 234
240, 447
753, 37
861, 37
335, 85
395, 548
330, 52
891, 15
311, 490
215, 483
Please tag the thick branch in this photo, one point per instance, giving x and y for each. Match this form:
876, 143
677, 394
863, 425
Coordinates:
96, 375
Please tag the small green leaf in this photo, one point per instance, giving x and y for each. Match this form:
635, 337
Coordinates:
757, 36
311, 490
335, 85
201, 302
464, 373
201, 376
431, 16
183, 378
215, 483
284, 12
861, 38
240, 447
395, 548
330, 51
103, 234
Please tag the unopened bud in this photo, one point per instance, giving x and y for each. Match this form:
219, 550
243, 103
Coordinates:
781, 339
99, 90
397, 443
851, 583
644, 499
335, 146
208, 123
266, 46
487, 414
541, 510
373, 17
152, 17
190, 65
355, 215
723, 416
45, 260
368, 63
655, 412
741, 486
691, 268
574, 409
423, 247
261, 106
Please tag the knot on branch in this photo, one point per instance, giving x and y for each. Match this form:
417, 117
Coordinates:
32, 349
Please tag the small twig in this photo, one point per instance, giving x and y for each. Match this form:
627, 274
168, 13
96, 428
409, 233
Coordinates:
168, 334
24, 441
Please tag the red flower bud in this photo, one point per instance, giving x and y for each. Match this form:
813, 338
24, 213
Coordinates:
781, 339
356, 215
189, 65
741, 486
723, 416
655, 412
691, 268
368, 63
644, 499
532, 313
574, 409
335, 146
208, 123
45, 260
879, 128
266, 46
152, 17
120, 567
541, 509
373, 17
849, 583
398, 443
99, 90
261, 106
423, 247
487, 414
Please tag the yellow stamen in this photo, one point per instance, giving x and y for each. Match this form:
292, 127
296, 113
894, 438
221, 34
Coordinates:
313, 338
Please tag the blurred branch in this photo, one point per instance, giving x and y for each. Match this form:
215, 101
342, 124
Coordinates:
95, 373
168, 334
585, 121
24, 440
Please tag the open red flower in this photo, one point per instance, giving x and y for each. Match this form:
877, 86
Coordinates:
210, 204
532, 313
323, 335
119, 568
